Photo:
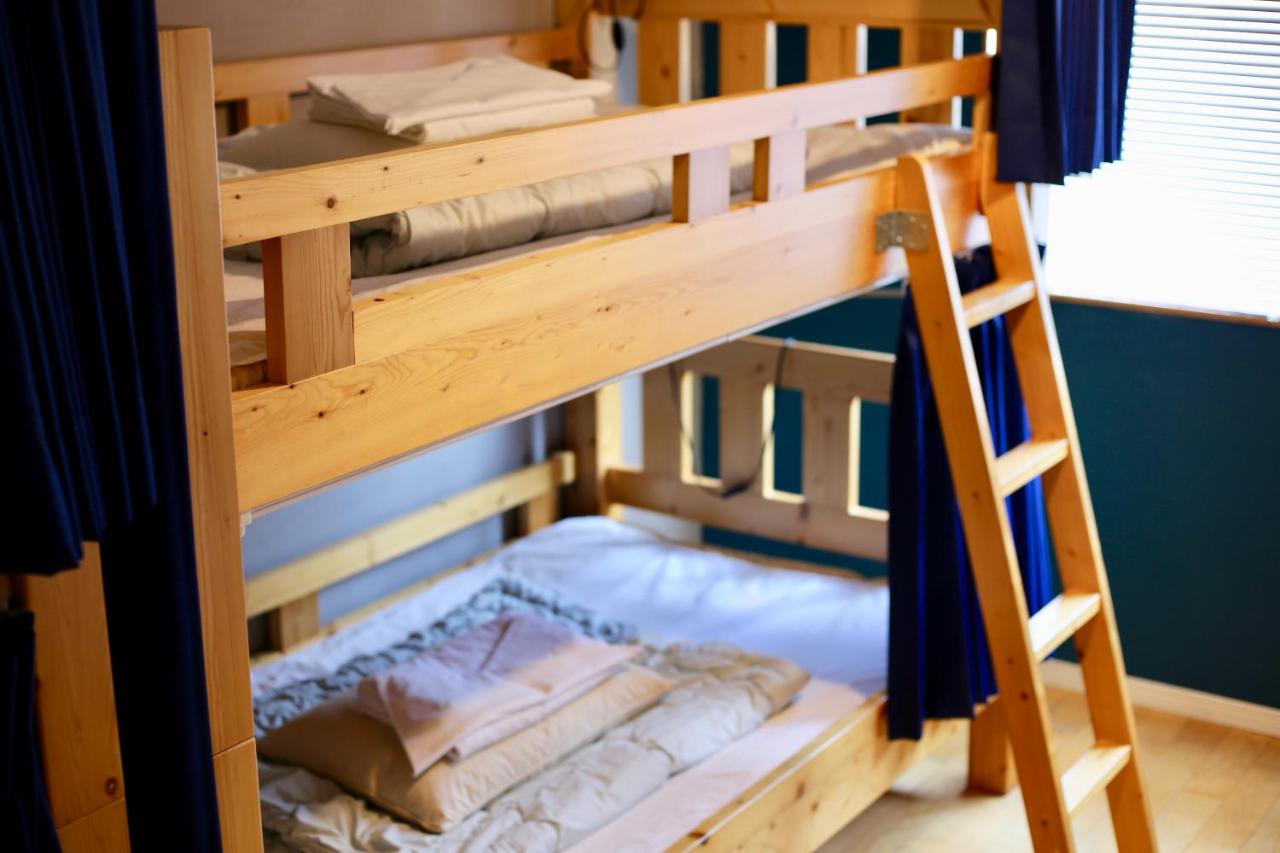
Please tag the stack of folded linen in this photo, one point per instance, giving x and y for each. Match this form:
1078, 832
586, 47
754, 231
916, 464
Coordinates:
471, 97
521, 732
436, 737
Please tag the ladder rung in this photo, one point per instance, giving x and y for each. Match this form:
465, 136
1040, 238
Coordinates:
995, 299
1061, 618
1092, 772
1027, 461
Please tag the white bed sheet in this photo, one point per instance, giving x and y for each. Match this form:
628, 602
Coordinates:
836, 627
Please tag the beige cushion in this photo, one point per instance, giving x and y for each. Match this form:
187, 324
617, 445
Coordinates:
364, 756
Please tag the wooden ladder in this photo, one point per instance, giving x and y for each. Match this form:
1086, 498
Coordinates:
1019, 641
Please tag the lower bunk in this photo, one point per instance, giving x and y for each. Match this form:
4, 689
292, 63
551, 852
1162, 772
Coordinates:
769, 732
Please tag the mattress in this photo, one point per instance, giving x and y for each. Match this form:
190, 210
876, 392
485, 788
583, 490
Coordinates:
512, 223
834, 626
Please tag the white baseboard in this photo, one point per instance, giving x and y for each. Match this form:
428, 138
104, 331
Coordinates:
1192, 704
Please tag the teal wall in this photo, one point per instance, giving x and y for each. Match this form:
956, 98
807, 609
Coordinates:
1179, 423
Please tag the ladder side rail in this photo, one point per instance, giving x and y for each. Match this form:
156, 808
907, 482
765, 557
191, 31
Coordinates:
989, 538
1068, 503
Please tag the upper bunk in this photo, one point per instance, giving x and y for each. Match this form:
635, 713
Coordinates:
352, 384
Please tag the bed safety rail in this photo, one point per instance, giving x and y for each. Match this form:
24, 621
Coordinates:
490, 345
834, 382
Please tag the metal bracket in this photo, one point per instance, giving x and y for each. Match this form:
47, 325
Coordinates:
907, 229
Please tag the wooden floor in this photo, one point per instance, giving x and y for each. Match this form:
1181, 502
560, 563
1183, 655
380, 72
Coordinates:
1211, 788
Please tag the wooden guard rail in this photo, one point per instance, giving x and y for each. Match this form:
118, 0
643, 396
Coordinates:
440, 360
964, 14
833, 380
258, 207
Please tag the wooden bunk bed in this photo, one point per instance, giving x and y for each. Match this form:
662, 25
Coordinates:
351, 386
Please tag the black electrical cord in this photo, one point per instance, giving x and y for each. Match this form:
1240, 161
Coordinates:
729, 490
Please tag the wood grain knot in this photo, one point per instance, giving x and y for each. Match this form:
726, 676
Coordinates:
331, 202
113, 785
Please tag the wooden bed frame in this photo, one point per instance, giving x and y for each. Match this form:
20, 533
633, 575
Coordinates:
351, 386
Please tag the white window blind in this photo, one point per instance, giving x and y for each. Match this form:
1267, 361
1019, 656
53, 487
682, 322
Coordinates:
1191, 216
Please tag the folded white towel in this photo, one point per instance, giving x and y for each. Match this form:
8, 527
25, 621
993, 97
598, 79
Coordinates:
434, 104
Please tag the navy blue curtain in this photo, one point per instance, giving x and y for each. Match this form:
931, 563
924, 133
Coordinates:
88, 327
1061, 80
939, 665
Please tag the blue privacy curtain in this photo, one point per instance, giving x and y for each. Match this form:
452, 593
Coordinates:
938, 661
95, 431
1061, 81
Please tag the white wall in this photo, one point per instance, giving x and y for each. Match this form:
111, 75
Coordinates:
248, 29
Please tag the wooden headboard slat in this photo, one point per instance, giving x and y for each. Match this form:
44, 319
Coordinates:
234, 81
969, 14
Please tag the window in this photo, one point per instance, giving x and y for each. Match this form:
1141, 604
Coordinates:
1191, 216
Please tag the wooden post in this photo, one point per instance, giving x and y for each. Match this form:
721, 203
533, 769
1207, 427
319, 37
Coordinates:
662, 61
700, 184
307, 285
834, 52
593, 430
991, 768
779, 166
310, 330
748, 56
746, 447
667, 416
186, 64
926, 44
75, 702
261, 109
830, 450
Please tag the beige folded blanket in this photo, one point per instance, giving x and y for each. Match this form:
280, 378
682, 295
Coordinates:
465, 98
364, 756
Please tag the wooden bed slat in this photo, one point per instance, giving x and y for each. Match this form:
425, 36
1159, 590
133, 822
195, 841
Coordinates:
832, 52
285, 74
779, 166
788, 518
746, 444
312, 573
593, 428
668, 413
267, 205
748, 55
831, 449
928, 43
663, 61
700, 184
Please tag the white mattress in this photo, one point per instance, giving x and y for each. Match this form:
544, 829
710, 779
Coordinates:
834, 626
